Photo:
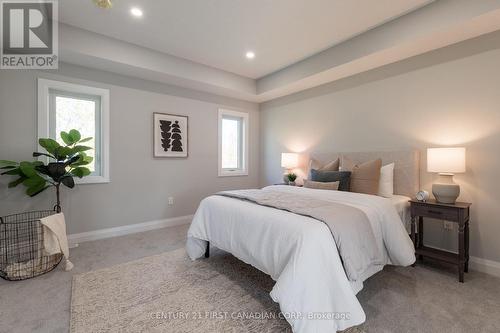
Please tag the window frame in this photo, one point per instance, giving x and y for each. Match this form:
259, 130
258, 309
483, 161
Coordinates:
44, 88
243, 170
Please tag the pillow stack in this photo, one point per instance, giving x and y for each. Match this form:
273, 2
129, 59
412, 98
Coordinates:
330, 173
369, 177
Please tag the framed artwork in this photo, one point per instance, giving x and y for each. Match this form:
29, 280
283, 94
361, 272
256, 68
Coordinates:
170, 135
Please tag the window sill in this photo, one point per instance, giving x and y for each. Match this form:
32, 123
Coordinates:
92, 180
237, 173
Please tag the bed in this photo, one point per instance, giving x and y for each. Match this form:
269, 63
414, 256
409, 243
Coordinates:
313, 289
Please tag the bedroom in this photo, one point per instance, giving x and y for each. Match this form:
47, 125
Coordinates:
358, 81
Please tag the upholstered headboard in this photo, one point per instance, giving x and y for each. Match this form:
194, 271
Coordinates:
406, 169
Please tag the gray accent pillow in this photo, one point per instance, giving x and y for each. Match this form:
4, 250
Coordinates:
343, 177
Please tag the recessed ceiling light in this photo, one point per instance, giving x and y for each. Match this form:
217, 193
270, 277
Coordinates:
137, 12
250, 55
105, 4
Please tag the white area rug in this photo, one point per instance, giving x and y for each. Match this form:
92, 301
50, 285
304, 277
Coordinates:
170, 293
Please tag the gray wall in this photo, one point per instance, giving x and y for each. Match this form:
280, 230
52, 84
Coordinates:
447, 97
140, 185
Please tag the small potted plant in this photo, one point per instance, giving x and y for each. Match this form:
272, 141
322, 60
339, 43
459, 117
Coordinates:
291, 179
63, 163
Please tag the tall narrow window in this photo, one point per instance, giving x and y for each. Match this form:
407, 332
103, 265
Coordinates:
81, 112
233, 143
65, 106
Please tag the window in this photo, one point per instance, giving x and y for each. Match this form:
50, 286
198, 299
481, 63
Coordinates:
233, 143
64, 106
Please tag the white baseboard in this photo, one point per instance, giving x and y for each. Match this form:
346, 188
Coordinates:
75, 239
479, 264
484, 265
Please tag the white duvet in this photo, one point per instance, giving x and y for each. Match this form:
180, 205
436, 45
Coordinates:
299, 252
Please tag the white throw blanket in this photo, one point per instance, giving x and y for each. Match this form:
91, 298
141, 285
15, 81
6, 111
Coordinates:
54, 237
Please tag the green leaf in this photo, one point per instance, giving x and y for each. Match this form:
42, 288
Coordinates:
32, 191
32, 181
79, 149
49, 145
72, 160
75, 135
37, 154
8, 167
13, 172
87, 160
63, 152
85, 140
80, 172
4, 163
35, 185
16, 182
83, 160
66, 138
68, 181
28, 169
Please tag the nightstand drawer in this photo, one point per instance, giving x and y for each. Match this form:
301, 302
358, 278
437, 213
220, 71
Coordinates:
441, 213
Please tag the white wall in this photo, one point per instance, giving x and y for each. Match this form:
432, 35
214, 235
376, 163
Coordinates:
140, 184
447, 97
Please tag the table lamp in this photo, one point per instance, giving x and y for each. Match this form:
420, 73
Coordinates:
446, 162
289, 161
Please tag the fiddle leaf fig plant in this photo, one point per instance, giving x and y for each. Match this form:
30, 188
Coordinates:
63, 164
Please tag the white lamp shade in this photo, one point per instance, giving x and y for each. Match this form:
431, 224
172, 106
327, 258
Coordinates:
289, 160
446, 160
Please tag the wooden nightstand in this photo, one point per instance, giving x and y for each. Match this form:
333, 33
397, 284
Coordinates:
458, 213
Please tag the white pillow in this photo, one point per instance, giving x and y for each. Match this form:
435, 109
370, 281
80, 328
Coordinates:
386, 183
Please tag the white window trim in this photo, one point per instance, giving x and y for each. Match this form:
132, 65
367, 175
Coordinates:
245, 129
44, 86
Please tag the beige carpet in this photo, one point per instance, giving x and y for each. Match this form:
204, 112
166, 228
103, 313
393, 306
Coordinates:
170, 293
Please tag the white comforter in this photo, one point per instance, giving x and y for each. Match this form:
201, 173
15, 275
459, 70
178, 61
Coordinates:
299, 253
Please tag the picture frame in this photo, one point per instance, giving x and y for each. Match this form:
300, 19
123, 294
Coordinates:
170, 135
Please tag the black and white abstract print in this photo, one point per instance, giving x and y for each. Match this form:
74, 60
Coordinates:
170, 135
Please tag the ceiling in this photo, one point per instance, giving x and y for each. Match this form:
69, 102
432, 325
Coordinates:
218, 33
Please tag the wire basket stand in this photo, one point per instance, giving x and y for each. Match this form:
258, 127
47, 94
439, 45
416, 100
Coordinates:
21, 246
